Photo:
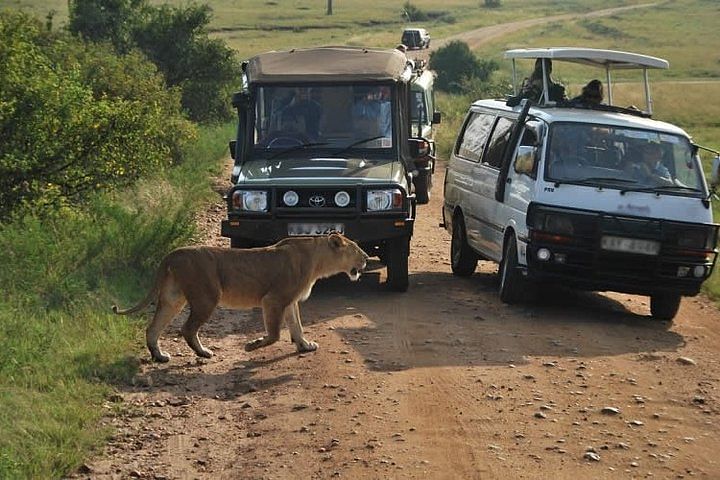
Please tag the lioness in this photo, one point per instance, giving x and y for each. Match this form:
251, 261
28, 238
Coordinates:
275, 277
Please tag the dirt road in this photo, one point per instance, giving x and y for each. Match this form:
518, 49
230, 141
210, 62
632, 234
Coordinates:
443, 381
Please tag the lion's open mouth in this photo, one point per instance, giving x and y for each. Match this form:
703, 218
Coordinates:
354, 274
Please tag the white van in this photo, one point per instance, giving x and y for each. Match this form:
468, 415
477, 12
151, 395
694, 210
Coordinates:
594, 197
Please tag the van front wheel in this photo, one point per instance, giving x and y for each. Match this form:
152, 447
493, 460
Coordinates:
463, 259
664, 306
512, 284
423, 185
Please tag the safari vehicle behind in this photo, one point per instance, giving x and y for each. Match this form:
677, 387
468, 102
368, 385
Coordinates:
415, 38
562, 193
423, 118
324, 144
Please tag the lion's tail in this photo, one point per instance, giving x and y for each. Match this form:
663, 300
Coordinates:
149, 298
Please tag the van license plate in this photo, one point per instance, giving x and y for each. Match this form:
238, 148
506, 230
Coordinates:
298, 229
630, 245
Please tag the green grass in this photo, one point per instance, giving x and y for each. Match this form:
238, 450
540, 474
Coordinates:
63, 351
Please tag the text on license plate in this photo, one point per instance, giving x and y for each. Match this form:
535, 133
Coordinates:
295, 229
630, 245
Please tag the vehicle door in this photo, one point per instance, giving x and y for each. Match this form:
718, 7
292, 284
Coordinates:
491, 216
521, 182
463, 185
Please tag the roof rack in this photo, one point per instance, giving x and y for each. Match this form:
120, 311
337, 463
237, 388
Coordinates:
607, 59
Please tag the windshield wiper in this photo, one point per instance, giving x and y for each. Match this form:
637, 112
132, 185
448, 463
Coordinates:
661, 188
592, 181
295, 148
359, 142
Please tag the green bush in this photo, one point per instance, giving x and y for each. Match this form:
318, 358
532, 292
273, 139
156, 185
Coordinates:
76, 121
456, 65
175, 39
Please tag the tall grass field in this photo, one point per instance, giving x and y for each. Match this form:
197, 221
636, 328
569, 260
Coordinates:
64, 352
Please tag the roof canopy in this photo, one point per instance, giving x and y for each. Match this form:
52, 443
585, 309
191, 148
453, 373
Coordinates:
610, 59
327, 64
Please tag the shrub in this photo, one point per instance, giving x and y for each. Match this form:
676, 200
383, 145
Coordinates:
455, 65
66, 136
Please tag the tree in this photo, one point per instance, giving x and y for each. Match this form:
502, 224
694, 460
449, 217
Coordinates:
456, 65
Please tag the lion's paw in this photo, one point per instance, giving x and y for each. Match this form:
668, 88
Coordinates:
306, 346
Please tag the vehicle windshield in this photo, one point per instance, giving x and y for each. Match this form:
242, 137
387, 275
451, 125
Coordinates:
338, 117
623, 158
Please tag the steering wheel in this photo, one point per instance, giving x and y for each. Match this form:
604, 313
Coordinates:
285, 140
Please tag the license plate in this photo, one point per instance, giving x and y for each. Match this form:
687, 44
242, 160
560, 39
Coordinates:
297, 229
630, 245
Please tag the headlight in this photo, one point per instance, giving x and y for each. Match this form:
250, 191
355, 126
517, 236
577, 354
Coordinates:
384, 200
558, 224
694, 239
250, 200
291, 198
342, 199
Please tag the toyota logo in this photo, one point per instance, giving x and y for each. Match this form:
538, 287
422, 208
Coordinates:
317, 201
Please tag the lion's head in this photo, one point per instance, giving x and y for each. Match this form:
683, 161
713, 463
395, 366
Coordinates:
351, 258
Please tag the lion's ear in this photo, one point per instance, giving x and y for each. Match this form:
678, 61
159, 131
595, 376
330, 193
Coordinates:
336, 240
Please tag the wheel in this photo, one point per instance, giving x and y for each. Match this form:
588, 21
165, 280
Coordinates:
423, 185
512, 285
664, 306
397, 252
463, 259
280, 139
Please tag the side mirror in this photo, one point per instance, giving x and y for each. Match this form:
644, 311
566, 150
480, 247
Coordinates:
436, 118
525, 160
241, 100
419, 147
715, 172
232, 144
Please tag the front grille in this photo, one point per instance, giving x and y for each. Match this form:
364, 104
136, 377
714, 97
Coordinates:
316, 198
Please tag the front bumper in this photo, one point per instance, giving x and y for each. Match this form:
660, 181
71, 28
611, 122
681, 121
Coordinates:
580, 261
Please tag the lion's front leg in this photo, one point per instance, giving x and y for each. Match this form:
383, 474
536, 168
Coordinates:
273, 317
296, 330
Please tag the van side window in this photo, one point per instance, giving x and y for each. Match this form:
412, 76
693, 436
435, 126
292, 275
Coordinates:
475, 136
498, 142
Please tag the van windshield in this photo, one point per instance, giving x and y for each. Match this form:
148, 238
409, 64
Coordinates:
327, 117
623, 158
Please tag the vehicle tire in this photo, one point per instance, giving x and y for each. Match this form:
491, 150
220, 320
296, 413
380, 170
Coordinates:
423, 185
664, 306
463, 259
512, 284
397, 251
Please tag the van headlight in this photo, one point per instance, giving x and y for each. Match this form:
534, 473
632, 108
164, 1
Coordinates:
342, 198
558, 224
378, 200
250, 200
699, 239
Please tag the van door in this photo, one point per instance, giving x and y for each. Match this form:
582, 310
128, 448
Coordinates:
461, 182
490, 219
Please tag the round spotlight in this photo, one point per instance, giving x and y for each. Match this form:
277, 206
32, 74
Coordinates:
699, 271
342, 198
291, 198
543, 254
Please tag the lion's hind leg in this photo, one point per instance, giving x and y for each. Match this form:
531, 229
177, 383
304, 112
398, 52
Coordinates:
199, 314
273, 314
296, 330
167, 309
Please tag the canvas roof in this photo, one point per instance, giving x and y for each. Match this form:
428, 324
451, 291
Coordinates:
327, 64
612, 59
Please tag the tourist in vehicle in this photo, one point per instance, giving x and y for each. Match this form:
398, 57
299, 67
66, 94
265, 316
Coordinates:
532, 87
650, 168
303, 114
592, 94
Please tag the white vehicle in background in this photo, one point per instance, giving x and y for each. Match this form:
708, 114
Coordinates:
551, 191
